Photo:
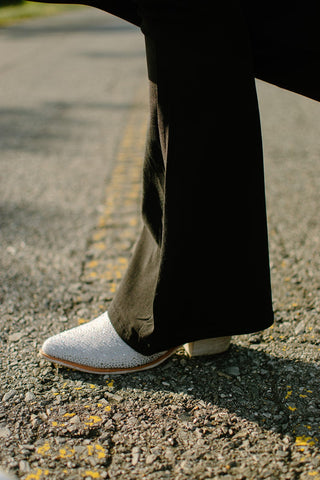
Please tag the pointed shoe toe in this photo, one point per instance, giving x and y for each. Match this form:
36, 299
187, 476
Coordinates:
95, 347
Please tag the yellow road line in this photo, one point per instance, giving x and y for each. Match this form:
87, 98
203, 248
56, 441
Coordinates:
117, 228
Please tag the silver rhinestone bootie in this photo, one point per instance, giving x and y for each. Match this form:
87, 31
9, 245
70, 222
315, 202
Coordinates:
95, 347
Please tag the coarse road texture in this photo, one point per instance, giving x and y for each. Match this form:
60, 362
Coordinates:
73, 119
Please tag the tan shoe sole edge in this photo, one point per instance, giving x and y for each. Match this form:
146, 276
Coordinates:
104, 371
210, 346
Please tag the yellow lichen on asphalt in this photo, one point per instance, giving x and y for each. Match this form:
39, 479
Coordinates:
44, 448
37, 475
98, 450
91, 473
93, 419
304, 440
66, 452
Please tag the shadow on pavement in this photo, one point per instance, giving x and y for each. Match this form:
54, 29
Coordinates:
33, 129
281, 396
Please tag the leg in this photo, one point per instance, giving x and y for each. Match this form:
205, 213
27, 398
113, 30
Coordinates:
200, 268
204, 205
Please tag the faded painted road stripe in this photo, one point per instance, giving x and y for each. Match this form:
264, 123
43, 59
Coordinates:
118, 225
109, 249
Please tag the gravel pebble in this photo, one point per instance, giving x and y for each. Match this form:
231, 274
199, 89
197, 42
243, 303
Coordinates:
9, 395
5, 432
30, 397
15, 337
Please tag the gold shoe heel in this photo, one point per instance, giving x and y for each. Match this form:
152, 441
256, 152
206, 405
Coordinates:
208, 346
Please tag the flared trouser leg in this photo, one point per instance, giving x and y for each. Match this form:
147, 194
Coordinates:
200, 268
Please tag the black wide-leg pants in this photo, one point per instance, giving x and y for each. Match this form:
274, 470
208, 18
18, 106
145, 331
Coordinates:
200, 268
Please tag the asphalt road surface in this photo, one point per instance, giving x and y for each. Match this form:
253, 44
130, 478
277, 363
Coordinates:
73, 119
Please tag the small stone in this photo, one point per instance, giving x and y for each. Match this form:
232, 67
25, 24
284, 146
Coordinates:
184, 466
135, 455
46, 372
7, 396
75, 419
30, 397
92, 461
234, 371
282, 453
4, 432
12, 463
113, 397
224, 374
132, 420
35, 421
15, 337
24, 466
300, 328
169, 454
150, 459
27, 446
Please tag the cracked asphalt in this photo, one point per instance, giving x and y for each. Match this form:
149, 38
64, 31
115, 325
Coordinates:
73, 120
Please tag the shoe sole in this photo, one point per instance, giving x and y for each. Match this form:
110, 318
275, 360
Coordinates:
110, 371
208, 346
